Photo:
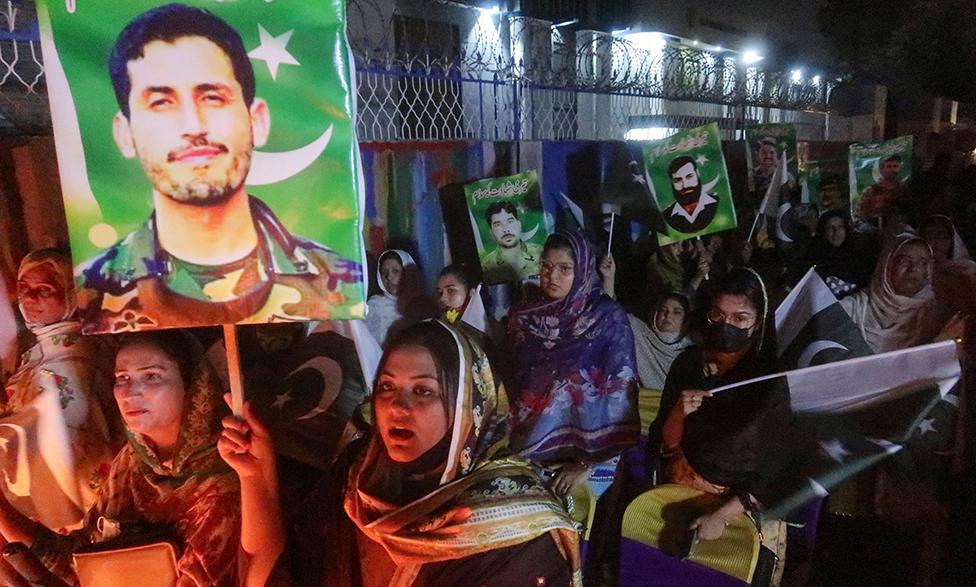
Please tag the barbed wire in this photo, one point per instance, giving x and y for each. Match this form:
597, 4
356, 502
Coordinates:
444, 41
417, 37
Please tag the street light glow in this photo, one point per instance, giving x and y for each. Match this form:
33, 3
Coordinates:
750, 57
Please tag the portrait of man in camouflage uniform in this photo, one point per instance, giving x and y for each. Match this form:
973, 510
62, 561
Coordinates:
210, 253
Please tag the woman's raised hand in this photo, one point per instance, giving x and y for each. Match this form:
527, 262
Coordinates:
245, 444
691, 400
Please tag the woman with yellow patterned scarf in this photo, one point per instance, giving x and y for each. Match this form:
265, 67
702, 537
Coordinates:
432, 497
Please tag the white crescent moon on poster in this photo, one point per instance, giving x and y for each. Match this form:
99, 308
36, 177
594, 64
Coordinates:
331, 374
708, 186
527, 236
269, 168
780, 233
806, 357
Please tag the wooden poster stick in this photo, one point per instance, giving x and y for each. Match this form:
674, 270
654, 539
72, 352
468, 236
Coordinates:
613, 216
234, 370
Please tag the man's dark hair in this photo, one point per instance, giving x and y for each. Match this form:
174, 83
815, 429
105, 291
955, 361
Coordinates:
892, 158
169, 23
499, 206
679, 162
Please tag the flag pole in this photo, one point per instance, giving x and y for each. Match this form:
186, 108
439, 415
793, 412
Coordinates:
613, 216
234, 370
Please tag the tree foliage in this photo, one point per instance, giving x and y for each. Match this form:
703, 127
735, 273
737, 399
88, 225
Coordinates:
911, 45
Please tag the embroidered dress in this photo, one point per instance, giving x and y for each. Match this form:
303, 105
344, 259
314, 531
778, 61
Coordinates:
484, 502
577, 379
195, 495
62, 390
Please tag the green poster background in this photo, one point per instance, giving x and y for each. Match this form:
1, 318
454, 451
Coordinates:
523, 191
864, 165
107, 196
784, 135
704, 145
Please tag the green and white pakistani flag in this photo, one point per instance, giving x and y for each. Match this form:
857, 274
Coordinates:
307, 172
690, 182
847, 416
812, 328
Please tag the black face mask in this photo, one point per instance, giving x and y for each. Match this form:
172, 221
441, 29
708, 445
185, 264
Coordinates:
727, 338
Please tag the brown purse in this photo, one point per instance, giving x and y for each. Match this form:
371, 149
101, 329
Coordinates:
145, 558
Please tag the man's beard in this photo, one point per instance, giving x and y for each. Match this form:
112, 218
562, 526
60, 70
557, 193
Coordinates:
202, 190
687, 196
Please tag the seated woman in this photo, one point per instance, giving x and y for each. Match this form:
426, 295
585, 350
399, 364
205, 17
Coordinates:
76, 371
403, 300
659, 341
900, 309
838, 260
940, 233
726, 444
169, 475
432, 496
575, 409
454, 289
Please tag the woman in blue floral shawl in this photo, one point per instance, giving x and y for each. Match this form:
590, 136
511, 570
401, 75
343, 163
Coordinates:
575, 405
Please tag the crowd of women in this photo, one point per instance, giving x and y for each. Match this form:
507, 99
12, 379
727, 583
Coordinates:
470, 458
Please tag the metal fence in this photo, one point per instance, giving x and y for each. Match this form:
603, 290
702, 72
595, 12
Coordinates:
446, 71
436, 70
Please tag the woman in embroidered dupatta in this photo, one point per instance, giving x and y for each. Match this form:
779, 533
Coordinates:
462, 511
69, 370
162, 382
576, 403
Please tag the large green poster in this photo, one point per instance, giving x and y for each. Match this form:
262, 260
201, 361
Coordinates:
509, 226
766, 144
879, 174
690, 182
208, 160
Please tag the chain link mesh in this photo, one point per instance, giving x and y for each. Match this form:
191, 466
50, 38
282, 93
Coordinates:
441, 70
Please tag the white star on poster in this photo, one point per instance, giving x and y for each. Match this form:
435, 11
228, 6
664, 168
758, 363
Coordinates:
272, 50
281, 400
701, 160
927, 425
835, 450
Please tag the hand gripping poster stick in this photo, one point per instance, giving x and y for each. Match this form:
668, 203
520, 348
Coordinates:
234, 370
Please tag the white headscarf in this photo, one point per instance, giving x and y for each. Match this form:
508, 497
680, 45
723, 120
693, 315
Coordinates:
890, 321
405, 260
60, 265
383, 310
655, 351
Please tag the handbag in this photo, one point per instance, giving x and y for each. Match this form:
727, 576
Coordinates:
147, 558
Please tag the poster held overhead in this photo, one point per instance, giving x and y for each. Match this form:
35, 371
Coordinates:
766, 146
203, 183
509, 226
690, 183
879, 175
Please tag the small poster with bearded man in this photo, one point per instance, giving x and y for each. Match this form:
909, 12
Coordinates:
690, 183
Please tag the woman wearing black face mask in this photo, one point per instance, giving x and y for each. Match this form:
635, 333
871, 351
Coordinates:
724, 444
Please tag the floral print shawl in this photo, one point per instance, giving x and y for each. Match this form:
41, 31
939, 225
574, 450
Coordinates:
194, 495
577, 376
73, 373
484, 500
